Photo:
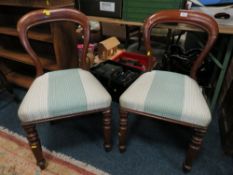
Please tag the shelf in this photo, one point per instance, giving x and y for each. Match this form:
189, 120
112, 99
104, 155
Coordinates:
53, 43
20, 80
114, 21
38, 3
25, 58
223, 29
45, 37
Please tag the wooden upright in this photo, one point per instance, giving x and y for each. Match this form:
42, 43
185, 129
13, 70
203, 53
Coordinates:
54, 43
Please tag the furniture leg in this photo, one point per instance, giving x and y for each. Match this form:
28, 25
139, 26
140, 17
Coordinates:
123, 130
35, 145
194, 147
107, 129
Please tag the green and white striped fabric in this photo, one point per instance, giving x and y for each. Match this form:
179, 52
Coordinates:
169, 95
63, 92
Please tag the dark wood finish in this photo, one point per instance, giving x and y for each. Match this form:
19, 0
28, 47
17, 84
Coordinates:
30, 129
197, 19
38, 3
16, 78
64, 117
61, 44
194, 18
35, 145
123, 130
25, 58
5, 86
107, 122
64, 43
45, 37
19, 79
194, 147
38, 17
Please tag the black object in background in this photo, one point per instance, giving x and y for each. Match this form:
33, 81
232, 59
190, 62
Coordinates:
106, 8
179, 58
115, 77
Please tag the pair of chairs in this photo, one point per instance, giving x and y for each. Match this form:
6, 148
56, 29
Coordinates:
69, 93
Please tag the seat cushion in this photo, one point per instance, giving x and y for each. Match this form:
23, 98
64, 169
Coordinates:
169, 95
63, 92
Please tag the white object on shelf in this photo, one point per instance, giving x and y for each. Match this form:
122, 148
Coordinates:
212, 11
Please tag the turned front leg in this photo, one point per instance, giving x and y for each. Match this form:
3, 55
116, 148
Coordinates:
35, 145
194, 147
123, 130
107, 127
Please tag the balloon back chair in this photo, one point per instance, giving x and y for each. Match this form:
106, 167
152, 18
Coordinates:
63, 93
169, 96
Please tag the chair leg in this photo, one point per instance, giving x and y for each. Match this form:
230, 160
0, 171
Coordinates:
107, 127
35, 145
194, 147
123, 130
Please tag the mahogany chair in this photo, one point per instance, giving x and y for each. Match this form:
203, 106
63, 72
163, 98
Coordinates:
169, 96
60, 94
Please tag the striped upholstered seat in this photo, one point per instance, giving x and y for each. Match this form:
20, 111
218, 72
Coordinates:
61, 93
64, 93
168, 94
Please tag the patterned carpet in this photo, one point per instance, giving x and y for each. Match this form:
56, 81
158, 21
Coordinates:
16, 158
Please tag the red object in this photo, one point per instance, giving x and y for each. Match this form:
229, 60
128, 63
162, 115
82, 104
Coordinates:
134, 60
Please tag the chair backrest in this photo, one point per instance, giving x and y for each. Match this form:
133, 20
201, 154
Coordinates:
194, 18
52, 15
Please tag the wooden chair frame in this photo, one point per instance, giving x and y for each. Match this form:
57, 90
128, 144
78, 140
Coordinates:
53, 15
199, 20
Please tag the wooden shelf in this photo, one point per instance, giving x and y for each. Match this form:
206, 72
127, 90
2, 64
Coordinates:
39, 3
226, 29
114, 21
20, 80
54, 43
25, 58
45, 37
223, 29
